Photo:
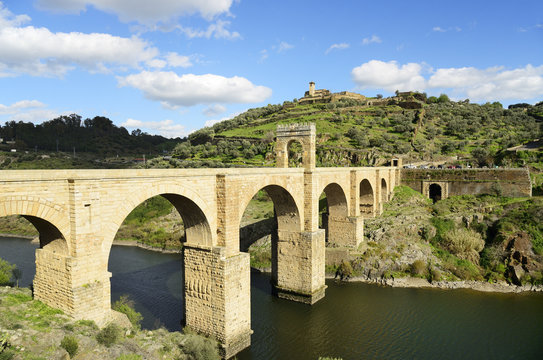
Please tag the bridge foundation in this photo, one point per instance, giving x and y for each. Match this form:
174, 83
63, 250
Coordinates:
300, 266
217, 296
64, 282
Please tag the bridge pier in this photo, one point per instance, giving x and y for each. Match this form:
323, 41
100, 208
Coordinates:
300, 266
346, 230
65, 282
217, 296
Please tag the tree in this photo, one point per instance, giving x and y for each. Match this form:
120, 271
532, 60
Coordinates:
5, 272
443, 99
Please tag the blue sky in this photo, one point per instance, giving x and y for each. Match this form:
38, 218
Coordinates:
173, 66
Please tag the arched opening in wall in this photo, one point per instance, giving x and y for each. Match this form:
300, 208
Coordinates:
332, 211
434, 192
366, 200
270, 211
384, 192
295, 153
148, 269
26, 235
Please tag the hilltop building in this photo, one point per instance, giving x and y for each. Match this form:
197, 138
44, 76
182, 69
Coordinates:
325, 96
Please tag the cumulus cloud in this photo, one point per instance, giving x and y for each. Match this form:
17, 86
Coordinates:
166, 128
214, 110
374, 39
176, 60
341, 46
173, 90
143, 11
40, 52
494, 83
29, 111
389, 76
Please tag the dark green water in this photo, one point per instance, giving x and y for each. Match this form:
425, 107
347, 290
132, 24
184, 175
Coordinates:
353, 321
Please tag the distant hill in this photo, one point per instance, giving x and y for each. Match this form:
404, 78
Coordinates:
97, 135
354, 132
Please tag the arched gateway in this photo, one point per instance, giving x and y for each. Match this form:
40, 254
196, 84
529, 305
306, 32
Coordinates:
78, 213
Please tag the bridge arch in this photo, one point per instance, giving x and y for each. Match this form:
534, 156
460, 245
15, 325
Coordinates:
285, 207
190, 206
49, 219
384, 191
435, 192
366, 199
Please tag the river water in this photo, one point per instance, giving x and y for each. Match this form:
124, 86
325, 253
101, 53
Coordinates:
353, 321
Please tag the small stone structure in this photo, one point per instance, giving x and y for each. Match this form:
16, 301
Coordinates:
507, 182
78, 213
325, 96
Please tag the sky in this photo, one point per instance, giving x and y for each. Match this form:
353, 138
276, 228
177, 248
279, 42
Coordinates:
170, 67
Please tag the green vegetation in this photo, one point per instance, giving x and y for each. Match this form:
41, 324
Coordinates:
199, 348
126, 306
70, 344
485, 237
6, 272
109, 335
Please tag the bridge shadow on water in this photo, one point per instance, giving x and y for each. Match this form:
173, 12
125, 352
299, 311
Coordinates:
153, 280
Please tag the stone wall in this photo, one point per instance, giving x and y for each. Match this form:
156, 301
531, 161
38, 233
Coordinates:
508, 182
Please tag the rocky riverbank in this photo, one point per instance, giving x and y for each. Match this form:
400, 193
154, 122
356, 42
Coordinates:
415, 282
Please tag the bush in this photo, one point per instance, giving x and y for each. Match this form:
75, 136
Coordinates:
345, 270
464, 243
70, 344
197, 347
5, 272
126, 306
128, 357
418, 268
109, 335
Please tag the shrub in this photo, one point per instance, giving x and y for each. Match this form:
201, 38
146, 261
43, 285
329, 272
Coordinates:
70, 344
464, 243
126, 306
109, 335
418, 268
345, 270
197, 347
5, 272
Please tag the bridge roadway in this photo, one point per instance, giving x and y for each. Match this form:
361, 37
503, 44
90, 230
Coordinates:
78, 213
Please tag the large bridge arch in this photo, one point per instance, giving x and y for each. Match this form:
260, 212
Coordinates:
193, 210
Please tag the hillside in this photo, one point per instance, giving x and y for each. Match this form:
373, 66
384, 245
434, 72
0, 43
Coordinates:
355, 133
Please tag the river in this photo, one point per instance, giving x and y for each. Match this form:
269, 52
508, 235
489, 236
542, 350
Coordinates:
353, 321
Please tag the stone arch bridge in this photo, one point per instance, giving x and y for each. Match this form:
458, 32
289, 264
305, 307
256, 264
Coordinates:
78, 213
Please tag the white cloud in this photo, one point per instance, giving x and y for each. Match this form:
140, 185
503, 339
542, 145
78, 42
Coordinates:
494, 83
374, 39
8, 19
166, 128
176, 60
143, 11
341, 46
173, 90
283, 46
231, 116
217, 30
263, 55
29, 111
389, 76
40, 52
452, 28
491, 84
214, 110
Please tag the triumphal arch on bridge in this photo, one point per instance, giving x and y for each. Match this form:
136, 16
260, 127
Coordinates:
78, 213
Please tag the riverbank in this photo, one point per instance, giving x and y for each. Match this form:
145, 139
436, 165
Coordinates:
146, 247
415, 282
